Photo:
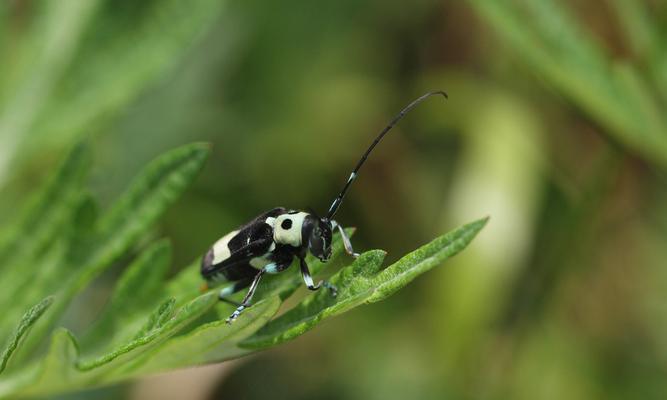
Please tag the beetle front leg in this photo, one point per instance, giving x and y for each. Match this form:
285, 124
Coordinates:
346, 240
305, 272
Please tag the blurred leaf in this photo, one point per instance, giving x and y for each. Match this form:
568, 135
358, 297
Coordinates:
46, 212
142, 41
46, 216
43, 56
138, 289
78, 63
614, 93
151, 193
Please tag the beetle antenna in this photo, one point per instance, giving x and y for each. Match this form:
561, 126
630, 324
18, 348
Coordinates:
336, 203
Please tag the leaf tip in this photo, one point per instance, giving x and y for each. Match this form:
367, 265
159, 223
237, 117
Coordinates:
479, 224
204, 147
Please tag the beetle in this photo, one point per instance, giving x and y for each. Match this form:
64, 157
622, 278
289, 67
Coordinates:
269, 243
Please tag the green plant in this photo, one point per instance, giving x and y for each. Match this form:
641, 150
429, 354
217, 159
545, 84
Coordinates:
624, 95
71, 68
150, 324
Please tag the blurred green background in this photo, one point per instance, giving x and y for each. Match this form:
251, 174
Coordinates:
555, 127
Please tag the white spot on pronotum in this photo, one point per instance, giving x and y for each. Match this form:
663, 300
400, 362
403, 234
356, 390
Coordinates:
289, 233
352, 177
221, 250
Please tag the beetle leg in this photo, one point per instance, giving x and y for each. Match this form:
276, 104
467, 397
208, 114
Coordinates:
246, 300
309, 279
231, 289
346, 240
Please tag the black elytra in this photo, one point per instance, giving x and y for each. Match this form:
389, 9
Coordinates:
269, 243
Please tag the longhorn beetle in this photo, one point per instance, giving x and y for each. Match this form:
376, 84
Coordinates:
269, 243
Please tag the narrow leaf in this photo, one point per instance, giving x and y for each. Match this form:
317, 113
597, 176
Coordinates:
37, 238
212, 342
62, 369
158, 186
161, 332
158, 317
27, 321
45, 213
139, 288
58, 366
138, 51
361, 283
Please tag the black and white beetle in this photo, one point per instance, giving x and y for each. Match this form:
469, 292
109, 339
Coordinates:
269, 243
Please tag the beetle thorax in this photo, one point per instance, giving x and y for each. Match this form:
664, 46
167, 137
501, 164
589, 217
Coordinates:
287, 228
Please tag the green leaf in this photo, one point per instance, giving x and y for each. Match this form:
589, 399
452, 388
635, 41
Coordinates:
29, 318
211, 342
40, 64
46, 212
558, 48
159, 328
156, 347
158, 318
161, 183
58, 367
150, 325
46, 217
64, 369
361, 283
139, 288
99, 57
137, 52
158, 186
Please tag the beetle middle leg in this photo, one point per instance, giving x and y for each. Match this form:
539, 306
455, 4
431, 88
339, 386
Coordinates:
233, 288
271, 268
246, 300
305, 272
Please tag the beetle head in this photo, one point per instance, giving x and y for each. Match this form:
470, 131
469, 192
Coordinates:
318, 233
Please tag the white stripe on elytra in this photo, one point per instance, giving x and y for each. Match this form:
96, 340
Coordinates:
221, 250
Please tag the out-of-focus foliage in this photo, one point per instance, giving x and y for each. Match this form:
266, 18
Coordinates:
68, 67
625, 96
555, 127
